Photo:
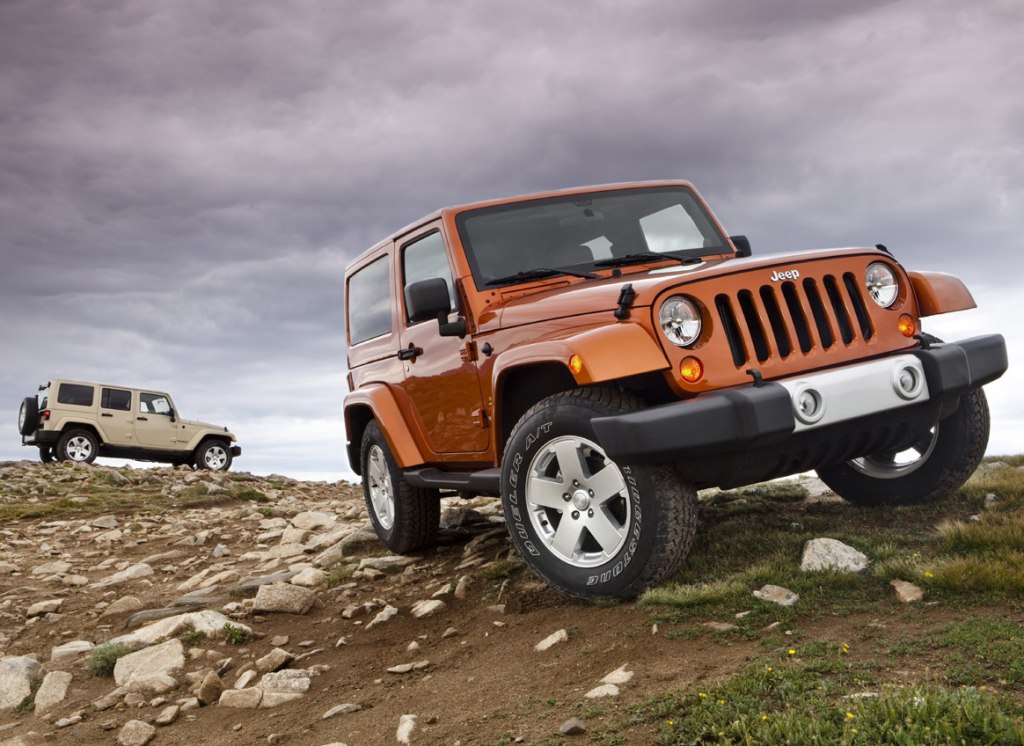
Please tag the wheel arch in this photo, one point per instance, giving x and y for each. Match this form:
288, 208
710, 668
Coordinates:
75, 425
521, 387
377, 402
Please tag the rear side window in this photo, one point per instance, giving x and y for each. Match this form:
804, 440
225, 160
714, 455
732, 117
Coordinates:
369, 302
116, 399
75, 393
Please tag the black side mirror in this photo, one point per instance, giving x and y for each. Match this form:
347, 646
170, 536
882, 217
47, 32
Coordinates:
172, 414
428, 299
742, 244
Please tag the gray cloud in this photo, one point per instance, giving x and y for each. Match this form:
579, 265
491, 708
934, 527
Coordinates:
181, 184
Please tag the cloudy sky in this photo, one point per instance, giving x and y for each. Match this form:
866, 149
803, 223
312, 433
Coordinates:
183, 182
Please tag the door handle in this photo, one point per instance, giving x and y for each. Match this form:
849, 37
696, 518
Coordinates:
144, 419
104, 414
410, 353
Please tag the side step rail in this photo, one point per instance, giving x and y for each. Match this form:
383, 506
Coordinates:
484, 482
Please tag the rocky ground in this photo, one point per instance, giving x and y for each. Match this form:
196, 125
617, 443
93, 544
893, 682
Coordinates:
263, 610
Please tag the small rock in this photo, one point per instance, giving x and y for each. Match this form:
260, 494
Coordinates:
573, 727
44, 607
990, 500
123, 605
406, 725
619, 676
605, 690
388, 612
210, 689
287, 681
551, 640
167, 715
279, 641
220, 550
165, 659
283, 598
907, 592
777, 594
407, 667
311, 577
829, 554
384, 563
342, 710
719, 626
314, 521
423, 609
244, 699
133, 572
71, 649
136, 733
273, 660
104, 521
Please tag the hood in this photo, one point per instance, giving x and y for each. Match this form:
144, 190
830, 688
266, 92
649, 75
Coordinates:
563, 297
202, 425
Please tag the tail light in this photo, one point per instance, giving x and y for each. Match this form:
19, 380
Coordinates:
45, 414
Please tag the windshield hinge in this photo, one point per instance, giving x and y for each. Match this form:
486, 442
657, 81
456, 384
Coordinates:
626, 296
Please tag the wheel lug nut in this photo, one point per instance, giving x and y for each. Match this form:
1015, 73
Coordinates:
566, 497
575, 483
591, 492
575, 514
590, 513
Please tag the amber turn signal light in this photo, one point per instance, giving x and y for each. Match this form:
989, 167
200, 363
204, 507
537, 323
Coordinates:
906, 325
575, 364
691, 369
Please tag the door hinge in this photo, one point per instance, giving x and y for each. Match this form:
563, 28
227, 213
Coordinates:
468, 352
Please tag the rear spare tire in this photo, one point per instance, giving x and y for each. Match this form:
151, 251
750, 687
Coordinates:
28, 416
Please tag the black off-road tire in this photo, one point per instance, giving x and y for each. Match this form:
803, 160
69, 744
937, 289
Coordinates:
553, 452
406, 518
214, 455
45, 454
77, 445
28, 416
958, 446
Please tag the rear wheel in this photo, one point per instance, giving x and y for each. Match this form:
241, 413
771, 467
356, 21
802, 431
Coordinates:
406, 518
77, 445
587, 525
214, 455
931, 468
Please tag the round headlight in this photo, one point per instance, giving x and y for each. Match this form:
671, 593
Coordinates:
883, 287
680, 320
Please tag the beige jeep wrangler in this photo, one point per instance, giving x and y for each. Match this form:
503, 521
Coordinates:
78, 421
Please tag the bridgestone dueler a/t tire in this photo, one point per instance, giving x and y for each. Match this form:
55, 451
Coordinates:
958, 449
411, 519
655, 513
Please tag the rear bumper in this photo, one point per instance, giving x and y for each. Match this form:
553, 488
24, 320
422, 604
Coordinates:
739, 419
41, 438
236, 451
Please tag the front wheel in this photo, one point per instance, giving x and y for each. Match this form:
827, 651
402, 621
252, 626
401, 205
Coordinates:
587, 525
405, 518
930, 469
79, 446
213, 455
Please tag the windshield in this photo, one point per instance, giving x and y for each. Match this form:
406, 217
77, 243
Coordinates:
584, 230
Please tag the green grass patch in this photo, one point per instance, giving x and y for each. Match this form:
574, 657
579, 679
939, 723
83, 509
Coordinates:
338, 575
192, 638
501, 570
236, 635
103, 658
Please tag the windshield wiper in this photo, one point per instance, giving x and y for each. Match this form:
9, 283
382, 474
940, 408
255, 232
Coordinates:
538, 273
644, 256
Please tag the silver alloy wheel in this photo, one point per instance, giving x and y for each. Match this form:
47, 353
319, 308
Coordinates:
78, 448
895, 464
382, 493
215, 457
577, 501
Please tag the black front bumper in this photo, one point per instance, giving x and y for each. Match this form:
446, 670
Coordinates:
741, 419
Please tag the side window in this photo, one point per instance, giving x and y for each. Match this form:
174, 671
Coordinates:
369, 301
154, 404
116, 399
75, 393
425, 259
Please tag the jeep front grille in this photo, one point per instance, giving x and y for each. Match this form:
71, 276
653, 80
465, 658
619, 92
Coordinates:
793, 318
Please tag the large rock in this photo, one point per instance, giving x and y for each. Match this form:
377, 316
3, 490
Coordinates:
829, 554
210, 623
165, 659
52, 691
41, 608
71, 649
423, 609
244, 699
16, 676
287, 681
284, 598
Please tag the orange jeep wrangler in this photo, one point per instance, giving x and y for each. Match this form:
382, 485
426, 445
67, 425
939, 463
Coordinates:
596, 355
